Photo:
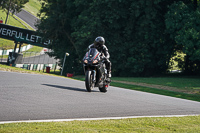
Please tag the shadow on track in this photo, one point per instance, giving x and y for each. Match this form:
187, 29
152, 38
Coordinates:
68, 88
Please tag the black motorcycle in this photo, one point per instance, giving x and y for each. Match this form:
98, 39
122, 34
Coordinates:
95, 71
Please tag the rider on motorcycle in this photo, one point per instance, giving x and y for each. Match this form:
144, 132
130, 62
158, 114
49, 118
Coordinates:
99, 45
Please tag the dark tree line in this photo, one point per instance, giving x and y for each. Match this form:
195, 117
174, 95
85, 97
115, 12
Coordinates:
141, 35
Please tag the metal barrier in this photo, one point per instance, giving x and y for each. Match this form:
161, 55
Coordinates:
34, 61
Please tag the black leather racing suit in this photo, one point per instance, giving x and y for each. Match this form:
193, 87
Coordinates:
104, 50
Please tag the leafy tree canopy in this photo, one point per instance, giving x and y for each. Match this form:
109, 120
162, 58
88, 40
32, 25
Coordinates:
137, 33
12, 5
183, 24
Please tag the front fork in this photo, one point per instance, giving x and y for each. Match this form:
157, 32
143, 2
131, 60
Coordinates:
93, 76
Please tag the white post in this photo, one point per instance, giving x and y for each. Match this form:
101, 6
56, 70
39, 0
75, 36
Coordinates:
66, 54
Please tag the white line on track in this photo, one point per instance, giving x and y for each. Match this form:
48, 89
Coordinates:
90, 119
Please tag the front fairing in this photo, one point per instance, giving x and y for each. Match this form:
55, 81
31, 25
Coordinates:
91, 55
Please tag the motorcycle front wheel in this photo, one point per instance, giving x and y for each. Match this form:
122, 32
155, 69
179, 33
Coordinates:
88, 81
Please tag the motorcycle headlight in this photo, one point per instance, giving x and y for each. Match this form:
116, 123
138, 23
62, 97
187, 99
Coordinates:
85, 61
95, 61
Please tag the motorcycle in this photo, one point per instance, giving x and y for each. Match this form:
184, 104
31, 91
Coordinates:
95, 71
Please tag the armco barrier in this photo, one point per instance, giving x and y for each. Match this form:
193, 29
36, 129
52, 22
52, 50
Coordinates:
37, 67
6, 52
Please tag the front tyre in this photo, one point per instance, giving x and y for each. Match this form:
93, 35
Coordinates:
88, 81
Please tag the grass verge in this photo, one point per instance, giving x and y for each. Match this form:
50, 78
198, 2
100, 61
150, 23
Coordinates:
7, 44
180, 82
183, 87
34, 51
188, 124
193, 97
33, 6
13, 21
20, 70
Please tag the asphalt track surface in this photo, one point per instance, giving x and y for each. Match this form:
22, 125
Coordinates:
28, 18
42, 97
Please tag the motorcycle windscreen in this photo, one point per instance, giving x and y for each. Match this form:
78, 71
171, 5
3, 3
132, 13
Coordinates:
92, 53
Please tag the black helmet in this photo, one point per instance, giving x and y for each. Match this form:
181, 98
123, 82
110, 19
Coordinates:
99, 42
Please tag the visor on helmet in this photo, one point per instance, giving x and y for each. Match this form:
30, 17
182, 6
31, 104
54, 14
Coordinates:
97, 44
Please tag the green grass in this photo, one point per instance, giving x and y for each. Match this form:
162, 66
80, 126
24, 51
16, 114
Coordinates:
189, 86
179, 82
33, 6
11, 20
189, 124
20, 70
7, 44
194, 97
15, 69
34, 51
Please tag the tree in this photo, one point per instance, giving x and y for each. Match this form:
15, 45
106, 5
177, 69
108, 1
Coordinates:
135, 32
12, 6
182, 22
56, 24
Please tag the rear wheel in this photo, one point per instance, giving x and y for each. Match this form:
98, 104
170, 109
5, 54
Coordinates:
104, 88
88, 81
